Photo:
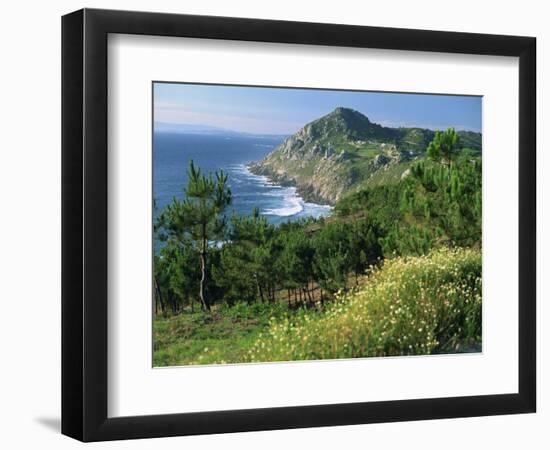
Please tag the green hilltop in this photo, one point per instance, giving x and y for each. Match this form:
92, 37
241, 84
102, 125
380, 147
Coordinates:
344, 152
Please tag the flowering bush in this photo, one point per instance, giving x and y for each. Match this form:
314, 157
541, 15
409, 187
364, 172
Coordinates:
411, 306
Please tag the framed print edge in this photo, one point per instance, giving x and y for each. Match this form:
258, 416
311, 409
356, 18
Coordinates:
85, 237
72, 223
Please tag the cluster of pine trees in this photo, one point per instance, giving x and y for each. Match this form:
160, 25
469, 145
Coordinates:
207, 257
248, 259
438, 203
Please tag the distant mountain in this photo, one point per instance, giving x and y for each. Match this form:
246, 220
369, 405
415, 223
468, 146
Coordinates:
344, 150
186, 128
164, 127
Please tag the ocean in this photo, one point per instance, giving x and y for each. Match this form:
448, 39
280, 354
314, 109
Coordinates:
173, 151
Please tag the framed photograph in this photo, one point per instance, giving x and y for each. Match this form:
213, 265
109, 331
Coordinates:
273, 225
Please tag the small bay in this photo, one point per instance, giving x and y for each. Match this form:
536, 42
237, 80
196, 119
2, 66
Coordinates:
172, 153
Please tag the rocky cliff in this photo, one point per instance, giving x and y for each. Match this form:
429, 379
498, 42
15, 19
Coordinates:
344, 150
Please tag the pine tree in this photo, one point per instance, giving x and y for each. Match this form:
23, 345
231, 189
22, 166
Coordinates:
444, 146
198, 217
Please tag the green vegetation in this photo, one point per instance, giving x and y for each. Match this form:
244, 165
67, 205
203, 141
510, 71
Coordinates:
444, 146
224, 335
191, 222
434, 205
412, 306
395, 270
344, 152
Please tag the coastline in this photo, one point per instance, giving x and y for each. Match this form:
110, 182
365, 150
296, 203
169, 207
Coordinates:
308, 193
300, 197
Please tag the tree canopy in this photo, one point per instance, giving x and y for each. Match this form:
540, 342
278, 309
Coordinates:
197, 218
444, 146
209, 257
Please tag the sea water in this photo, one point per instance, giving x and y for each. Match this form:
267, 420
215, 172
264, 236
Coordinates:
172, 153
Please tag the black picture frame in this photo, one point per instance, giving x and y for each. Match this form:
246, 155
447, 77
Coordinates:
84, 224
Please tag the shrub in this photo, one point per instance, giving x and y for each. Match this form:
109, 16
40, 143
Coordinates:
411, 306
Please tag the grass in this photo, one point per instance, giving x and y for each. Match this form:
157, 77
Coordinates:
411, 306
222, 336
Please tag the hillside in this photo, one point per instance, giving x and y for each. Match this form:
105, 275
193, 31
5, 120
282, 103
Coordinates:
411, 306
428, 304
344, 151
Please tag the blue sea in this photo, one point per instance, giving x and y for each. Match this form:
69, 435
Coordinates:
173, 151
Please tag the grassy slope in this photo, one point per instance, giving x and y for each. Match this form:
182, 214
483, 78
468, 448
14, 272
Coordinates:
223, 336
413, 305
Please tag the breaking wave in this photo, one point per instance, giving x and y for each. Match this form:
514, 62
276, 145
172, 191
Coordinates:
275, 201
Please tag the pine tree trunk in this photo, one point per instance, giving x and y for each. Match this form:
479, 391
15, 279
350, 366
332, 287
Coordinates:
159, 294
202, 294
307, 293
260, 290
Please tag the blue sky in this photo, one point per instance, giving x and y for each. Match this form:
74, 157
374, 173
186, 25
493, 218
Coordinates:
284, 111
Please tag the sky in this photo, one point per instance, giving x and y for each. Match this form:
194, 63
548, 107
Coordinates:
261, 110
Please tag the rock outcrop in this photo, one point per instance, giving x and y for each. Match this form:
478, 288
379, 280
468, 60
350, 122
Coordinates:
340, 151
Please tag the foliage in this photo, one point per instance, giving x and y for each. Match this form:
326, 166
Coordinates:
197, 218
343, 152
225, 334
307, 261
444, 146
394, 271
434, 205
413, 305
246, 271
176, 276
